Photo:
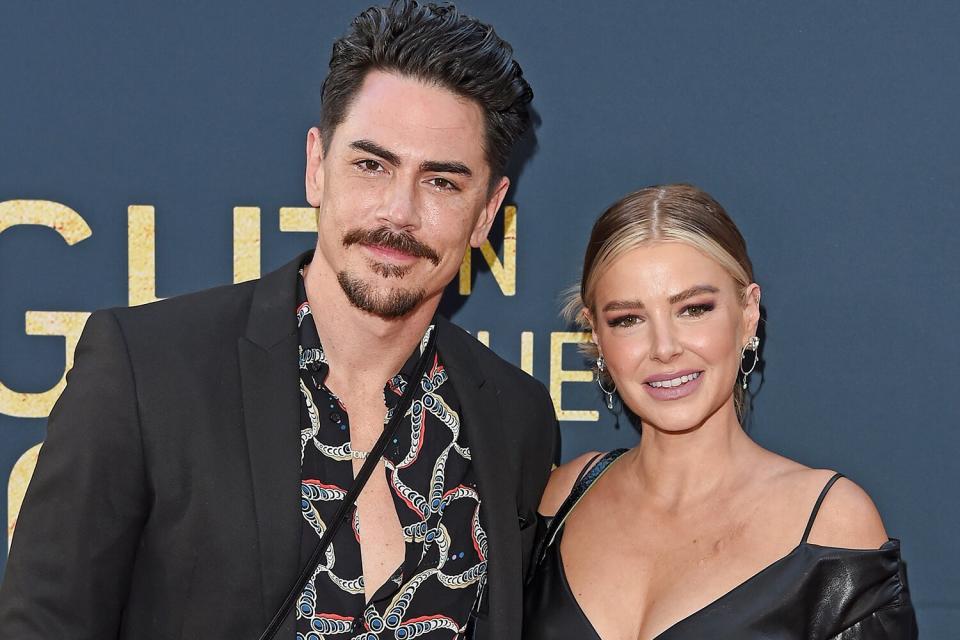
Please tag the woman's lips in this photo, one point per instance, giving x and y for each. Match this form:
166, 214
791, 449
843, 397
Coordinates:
678, 386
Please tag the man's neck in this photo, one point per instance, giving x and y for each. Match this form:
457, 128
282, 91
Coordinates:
363, 349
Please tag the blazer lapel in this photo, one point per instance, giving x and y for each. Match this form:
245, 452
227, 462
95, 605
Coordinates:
481, 417
269, 380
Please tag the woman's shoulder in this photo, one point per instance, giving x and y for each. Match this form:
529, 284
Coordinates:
839, 512
562, 480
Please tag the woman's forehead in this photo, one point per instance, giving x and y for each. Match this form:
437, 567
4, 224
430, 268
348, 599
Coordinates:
662, 269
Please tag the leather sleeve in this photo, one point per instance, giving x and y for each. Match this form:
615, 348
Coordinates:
68, 572
893, 623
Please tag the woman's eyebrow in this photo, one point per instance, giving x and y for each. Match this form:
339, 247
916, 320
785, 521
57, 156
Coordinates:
693, 291
619, 305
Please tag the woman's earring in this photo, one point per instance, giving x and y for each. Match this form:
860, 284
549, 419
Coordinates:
752, 345
601, 368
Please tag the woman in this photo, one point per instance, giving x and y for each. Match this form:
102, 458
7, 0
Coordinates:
697, 532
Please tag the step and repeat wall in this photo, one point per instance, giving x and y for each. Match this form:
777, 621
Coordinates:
151, 149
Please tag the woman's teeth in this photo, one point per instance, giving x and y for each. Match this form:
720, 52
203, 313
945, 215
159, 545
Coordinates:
676, 382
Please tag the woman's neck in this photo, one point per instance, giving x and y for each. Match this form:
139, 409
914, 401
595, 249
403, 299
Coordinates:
677, 470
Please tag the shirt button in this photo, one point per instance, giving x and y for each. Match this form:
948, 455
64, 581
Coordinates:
336, 417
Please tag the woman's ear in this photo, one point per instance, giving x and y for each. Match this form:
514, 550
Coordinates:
751, 308
593, 326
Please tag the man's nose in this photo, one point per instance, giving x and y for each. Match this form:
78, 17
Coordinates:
400, 210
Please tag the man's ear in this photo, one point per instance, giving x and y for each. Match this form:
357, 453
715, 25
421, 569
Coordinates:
489, 213
313, 180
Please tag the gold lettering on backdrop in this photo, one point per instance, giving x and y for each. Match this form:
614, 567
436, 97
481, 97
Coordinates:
466, 268
298, 219
559, 375
68, 223
526, 351
141, 254
505, 273
246, 244
19, 480
68, 324
526, 348
73, 229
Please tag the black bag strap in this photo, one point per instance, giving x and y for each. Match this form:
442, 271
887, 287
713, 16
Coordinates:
343, 512
588, 476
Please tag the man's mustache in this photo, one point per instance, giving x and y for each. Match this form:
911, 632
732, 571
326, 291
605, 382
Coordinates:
384, 237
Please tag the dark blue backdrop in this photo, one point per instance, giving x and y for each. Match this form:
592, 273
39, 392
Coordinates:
828, 130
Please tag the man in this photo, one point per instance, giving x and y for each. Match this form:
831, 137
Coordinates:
204, 443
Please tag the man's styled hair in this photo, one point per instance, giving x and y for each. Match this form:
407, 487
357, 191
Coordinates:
435, 44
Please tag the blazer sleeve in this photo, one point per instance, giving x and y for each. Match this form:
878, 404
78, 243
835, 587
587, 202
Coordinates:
69, 568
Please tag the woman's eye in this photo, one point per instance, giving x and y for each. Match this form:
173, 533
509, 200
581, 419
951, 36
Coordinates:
370, 166
624, 321
442, 184
696, 310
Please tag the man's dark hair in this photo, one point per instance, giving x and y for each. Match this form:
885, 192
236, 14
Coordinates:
436, 44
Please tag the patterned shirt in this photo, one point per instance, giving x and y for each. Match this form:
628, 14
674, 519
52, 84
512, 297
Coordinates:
431, 594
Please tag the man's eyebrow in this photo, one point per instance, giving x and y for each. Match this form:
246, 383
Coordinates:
619, 305
446, 167
369, 146
438, 166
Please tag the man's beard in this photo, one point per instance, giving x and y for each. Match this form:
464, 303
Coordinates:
395, 302
391, 304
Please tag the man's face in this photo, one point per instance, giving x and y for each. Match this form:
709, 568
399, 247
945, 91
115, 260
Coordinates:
402, 190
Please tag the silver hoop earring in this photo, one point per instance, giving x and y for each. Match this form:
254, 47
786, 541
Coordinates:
752, 345
601, 368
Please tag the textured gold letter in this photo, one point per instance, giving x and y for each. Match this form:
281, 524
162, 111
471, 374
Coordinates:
59, 217
246, 244
141, 255
19, 481
526, 351
559, 375
504, 273
298, 219
73, 229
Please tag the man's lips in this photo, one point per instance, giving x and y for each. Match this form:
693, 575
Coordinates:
391, 245
390, 253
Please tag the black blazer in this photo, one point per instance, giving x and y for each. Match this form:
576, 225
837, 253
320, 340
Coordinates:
165, 503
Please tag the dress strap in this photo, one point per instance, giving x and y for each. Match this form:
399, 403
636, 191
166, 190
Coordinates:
587, 478
816, 507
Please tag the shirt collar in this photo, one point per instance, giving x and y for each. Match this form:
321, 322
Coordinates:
312, 356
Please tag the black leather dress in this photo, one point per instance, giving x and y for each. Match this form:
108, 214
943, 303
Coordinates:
812, 593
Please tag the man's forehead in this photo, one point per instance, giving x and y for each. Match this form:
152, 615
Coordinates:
411, 117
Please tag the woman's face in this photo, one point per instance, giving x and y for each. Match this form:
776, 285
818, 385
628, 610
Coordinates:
670, 324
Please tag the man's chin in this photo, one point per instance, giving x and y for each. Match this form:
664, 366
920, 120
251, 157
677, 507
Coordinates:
387, 302
386, 270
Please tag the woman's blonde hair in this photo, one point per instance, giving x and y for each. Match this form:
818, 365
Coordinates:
662, 213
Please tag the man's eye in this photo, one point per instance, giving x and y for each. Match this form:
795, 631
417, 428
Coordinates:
370, 166
624, 321
442, 184
696, 310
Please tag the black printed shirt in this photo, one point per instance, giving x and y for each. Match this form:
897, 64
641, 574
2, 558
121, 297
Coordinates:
431, 594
